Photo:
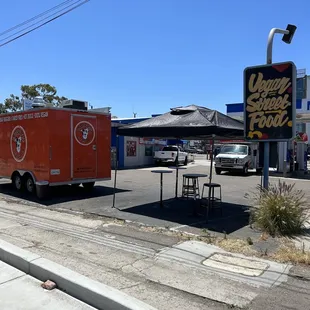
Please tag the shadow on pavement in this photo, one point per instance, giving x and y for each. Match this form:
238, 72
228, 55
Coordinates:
181, 211
61, 194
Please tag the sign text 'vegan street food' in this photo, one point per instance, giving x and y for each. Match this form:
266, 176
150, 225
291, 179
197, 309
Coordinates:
269, 102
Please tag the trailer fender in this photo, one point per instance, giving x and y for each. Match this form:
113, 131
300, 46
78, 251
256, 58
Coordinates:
23, 172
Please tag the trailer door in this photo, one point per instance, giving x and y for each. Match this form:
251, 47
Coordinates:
83, 147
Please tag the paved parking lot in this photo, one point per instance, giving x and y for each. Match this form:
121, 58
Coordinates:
138, 194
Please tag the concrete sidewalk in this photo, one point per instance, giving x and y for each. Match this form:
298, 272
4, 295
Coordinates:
21, 270
31, 295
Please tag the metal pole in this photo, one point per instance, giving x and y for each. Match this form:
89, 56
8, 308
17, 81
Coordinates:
115, 171
210, 180
272, 32
266, 164
177, 174
161, 190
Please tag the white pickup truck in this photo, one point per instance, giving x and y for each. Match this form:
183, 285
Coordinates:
238, 157
169, 154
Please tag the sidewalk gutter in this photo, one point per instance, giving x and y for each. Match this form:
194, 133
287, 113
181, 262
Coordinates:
78, 286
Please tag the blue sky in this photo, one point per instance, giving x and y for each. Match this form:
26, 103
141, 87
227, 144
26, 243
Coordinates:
150, 55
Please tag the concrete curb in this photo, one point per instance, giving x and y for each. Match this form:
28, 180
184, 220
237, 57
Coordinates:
80, 287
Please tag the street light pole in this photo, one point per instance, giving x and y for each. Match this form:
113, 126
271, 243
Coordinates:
287, 38
272, 32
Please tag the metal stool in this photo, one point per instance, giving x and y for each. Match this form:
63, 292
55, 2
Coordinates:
213, 199
190, 187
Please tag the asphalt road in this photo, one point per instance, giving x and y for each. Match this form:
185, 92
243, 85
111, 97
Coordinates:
137, 197
116, 254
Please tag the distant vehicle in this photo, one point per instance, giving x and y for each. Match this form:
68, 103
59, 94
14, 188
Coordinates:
169, 154
238, 157
194, 150
191, 150
200, 151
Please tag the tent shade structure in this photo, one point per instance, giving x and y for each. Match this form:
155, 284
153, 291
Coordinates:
191, 122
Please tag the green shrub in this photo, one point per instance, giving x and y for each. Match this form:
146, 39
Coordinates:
280, 210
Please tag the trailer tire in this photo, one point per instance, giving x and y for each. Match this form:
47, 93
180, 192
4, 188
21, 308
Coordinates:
89, 186
17, 181
29, 184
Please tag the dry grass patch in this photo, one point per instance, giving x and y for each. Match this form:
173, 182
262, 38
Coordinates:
288, 252
235, 246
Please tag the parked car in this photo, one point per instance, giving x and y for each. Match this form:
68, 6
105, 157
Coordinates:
200, 151
191, 150
169, 154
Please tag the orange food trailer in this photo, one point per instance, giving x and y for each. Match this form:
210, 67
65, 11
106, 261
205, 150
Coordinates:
45, 147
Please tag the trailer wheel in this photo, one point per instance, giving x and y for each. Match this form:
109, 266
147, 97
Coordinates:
17, 181
29, 184
89, 186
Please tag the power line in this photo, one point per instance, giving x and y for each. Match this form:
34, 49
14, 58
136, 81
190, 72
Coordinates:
35, 17
40, 21
45, 23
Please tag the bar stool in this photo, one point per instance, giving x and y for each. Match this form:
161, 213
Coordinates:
190, 187
215, 201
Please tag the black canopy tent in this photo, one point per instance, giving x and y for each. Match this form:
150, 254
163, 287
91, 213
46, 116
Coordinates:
189, 123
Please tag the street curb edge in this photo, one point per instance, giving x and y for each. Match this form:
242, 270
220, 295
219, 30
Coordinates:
78, 286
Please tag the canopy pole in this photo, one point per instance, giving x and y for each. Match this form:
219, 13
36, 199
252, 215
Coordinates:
115, 170
177, 174
210, 179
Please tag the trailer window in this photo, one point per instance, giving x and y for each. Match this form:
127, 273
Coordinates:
233, 149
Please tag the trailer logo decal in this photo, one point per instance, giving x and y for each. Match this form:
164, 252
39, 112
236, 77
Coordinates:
84, 133
18, 143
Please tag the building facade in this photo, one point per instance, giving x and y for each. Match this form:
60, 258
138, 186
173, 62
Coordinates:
133, 151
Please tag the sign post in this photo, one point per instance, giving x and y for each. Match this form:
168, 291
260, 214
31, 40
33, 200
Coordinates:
270, 100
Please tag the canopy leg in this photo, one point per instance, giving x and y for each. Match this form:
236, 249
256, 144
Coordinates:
177, 175
210, 180
115, 171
